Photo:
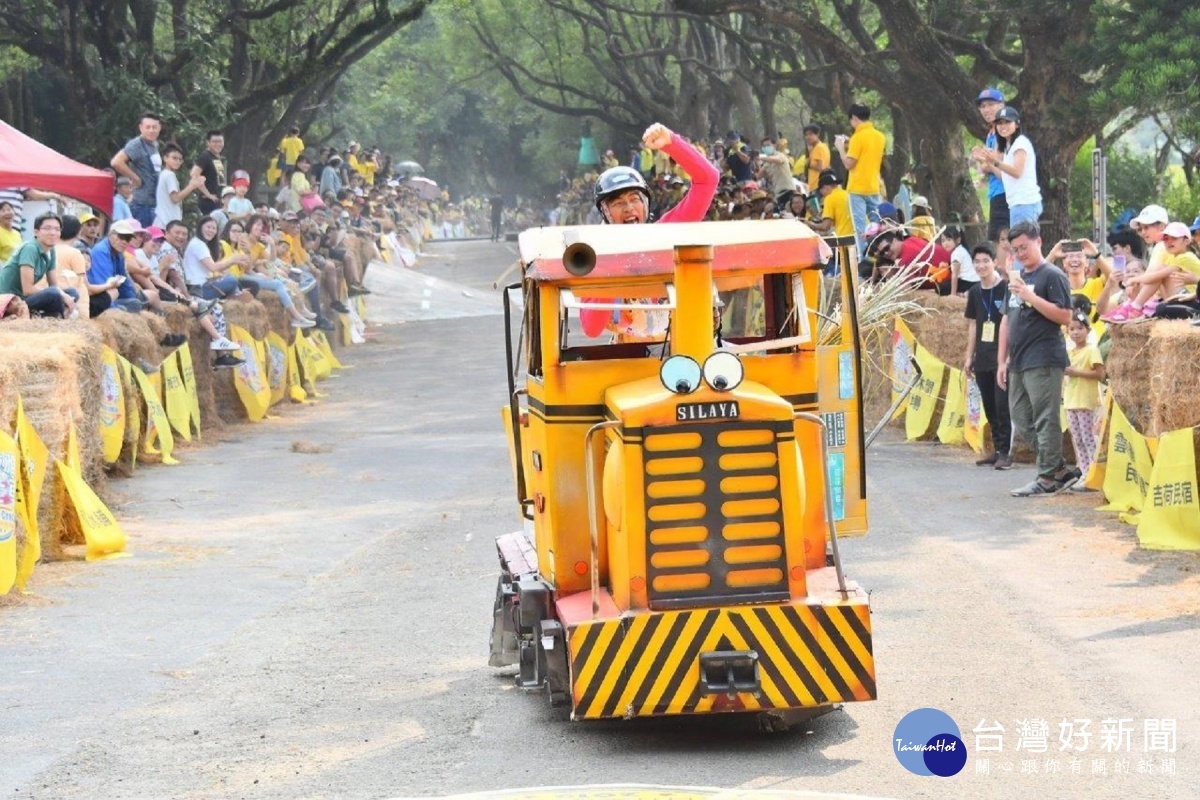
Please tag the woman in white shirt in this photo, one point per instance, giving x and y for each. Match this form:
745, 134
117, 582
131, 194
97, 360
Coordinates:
1015, 163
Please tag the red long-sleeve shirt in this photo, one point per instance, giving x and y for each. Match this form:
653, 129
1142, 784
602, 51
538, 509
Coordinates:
695, 204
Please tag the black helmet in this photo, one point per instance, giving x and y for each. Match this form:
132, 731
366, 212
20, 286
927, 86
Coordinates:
619, 179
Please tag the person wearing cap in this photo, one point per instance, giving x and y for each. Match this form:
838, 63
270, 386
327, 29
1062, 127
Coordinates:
240, 206
121, 209
922, 223
139, 163
775, 170
737, 158
108, 270
36, 261
989, 102
1179, 271
863, 156
89, 231
211, 166
1015, 163
836, 217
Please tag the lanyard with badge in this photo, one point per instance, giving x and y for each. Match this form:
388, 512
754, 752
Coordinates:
987, 331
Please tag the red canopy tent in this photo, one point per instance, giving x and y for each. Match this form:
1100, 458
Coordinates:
28, 163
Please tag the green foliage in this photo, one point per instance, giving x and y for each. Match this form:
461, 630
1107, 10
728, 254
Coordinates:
1132, 183
1181, 200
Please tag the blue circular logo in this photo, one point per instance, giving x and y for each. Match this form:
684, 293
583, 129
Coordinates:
928, 742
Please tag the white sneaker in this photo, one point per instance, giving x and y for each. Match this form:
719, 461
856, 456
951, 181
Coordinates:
303, 323
308, 314
225, 344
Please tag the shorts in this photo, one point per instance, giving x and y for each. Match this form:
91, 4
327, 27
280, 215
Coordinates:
997, 216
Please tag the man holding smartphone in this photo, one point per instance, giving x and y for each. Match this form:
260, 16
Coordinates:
1033, 357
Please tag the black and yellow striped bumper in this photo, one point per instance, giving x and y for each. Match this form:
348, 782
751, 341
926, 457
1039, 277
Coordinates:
648, 664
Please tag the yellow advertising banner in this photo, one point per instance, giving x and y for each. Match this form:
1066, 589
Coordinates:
952, 428
133, 410
1099, 466
178, 404
112, 406
103, 535
975, 426
277, 366
312, 361
1170, 519
1127, 475
157, 425
922, 403
903, 346
188, 373
9, 476
295, 379
250, 377
322, 343
34, 459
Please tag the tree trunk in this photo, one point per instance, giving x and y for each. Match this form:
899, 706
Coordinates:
941, 172
243, 146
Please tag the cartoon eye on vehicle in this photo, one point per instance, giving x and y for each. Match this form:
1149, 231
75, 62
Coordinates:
723, 371
680, 374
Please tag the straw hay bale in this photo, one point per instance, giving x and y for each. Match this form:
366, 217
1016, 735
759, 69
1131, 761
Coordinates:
278, 319
132, 335
249, 314
944, 331
52, 365
1153, 376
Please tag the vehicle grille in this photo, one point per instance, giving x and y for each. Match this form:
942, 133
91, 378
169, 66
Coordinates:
714, 520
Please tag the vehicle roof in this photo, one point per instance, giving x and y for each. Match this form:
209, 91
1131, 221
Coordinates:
648, 250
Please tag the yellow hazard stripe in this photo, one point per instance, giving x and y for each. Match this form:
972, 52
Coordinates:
648, 664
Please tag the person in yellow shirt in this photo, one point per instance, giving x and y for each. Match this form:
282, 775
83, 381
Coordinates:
291, 146
863, 156
818, 154
836, 217
10, 237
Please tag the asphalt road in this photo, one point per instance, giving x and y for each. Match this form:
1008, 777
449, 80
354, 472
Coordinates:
314, 624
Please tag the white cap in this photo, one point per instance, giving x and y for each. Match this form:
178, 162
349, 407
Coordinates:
1152, 215
920, 200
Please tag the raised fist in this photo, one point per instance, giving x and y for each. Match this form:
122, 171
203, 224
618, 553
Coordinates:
657, 136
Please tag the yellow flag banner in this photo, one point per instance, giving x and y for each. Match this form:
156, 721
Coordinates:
188, 373
157, 425
975, 425
903, 346
178, 404
250, 377
112, 406
103, 535
34, 459
1127, 475
951, 429
345, 325
922, 403
1170, 519
133, 410
277, 366
1099, 466
9, 476
322, 343
312, 361
295, 379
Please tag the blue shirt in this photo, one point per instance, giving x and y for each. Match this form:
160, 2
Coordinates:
121, 208
995, 184
106, 263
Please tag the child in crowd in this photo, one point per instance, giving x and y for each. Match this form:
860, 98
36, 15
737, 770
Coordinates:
985, 306
1081, 395
962, 266
922, 223
1180, 269
241, 206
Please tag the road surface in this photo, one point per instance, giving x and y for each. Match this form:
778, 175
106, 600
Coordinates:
314, 623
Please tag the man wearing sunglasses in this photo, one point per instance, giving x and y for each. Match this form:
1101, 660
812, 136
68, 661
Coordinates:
108, 270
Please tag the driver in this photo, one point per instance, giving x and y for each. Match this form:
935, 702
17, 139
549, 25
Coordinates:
623, 198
